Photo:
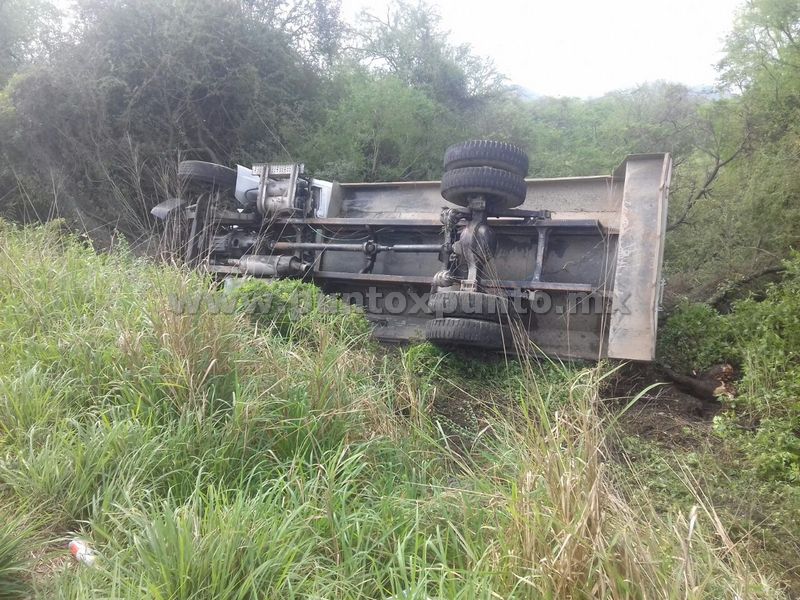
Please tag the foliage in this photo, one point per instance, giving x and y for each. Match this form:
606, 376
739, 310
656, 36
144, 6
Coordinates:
695, 338
381, 130
13, 567
29, 31
298, 310
202, 458
748, 220
121, 103
763, 337
760, 514
768, 336
408, 42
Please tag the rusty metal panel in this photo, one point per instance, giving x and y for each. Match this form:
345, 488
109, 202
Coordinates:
640, 250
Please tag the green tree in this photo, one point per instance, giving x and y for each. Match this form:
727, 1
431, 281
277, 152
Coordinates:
409, 43
739, 215
381, 130
145, 82
29, 31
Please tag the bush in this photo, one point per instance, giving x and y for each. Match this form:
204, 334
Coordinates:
294, 309
763, 337
765, 416
695, 338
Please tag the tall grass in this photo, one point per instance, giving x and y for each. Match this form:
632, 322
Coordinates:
13, 564
207, 456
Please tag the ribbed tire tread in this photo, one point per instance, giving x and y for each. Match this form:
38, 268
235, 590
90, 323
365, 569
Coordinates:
198, 171
470, 305
503, 189
468, 332
487, 153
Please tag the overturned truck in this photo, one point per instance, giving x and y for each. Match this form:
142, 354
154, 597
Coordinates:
569, 267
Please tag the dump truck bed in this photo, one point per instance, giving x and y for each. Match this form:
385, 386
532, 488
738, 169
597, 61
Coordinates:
571, 265
588, 277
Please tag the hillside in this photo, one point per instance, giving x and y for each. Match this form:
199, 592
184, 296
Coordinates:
209, 456
224, 454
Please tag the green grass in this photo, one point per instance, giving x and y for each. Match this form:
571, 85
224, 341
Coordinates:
210, 456
759, 516
13, 540
761, 336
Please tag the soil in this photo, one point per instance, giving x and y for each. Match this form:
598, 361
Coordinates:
679, 424
664, 413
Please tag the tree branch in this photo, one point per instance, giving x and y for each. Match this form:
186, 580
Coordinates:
720, 296
705, 189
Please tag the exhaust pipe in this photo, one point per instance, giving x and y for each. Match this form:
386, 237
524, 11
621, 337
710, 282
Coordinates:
270, 266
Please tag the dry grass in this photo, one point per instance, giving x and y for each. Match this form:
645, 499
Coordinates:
204, 456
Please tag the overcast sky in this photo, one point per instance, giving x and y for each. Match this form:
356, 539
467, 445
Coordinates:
584, 47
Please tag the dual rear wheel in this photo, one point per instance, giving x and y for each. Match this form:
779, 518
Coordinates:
494, 170
473, 319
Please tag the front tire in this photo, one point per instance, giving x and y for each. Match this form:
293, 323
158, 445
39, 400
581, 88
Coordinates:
207, 175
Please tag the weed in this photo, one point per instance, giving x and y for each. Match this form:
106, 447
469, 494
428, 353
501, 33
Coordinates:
13, 566
207, 456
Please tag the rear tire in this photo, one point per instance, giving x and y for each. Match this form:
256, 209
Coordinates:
207, 175
486, 153
470, 305
501, 188
469, 332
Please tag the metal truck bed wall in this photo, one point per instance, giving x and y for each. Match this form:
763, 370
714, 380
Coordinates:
597, 290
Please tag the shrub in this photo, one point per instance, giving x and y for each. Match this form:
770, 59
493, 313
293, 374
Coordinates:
294, 309
766, 414
695, 338
763, 337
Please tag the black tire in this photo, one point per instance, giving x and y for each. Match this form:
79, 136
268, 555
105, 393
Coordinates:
502, 189
207, 174
486, 153
470, 305
469, 332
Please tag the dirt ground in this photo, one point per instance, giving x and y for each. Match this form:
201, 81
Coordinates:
664, 414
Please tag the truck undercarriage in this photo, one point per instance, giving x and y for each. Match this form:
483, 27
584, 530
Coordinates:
569, 266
